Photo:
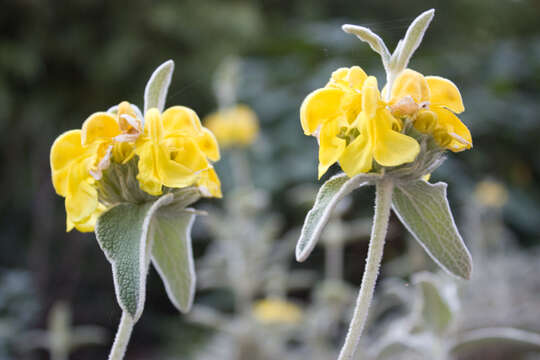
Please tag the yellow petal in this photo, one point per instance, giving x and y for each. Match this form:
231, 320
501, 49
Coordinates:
148, 174
330, 146
444, 93
461, 136
172, 173
182, 119
358, 155
65, 149
185, 151
99, 127
153, 125
208, 144
318, 107
209, 181
371, 97
356, 77
391, 147
81, 197
410, 83
246, 127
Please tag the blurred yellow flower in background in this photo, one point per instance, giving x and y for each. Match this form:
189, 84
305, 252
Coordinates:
277, 311
235, 126
491, 194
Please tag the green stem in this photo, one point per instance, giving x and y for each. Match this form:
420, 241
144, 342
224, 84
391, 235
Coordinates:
383, 202
121, 339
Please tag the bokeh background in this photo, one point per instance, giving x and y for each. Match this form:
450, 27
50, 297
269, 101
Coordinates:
60, 61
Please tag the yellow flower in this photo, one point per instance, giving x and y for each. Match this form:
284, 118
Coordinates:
70, 164
491, 193
354, 125
276, 311
174, 150
432, 103
234, 126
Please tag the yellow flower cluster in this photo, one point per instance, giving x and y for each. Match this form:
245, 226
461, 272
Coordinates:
234, 126
355, 126
173, 149
276, 311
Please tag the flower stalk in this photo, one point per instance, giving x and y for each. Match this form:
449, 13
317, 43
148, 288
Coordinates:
383, 203
122, 337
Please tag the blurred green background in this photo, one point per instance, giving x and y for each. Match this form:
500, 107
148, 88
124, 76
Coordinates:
60, 61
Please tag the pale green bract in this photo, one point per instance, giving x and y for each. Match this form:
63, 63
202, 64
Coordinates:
437, 311
156, 89
172, 255
122, 233
423, 209
330, 193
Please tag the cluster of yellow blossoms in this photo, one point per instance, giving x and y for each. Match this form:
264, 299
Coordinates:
355, 126
174, 150
235, 126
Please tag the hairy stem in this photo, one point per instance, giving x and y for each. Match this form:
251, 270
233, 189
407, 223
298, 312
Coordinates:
383, 202
121, 339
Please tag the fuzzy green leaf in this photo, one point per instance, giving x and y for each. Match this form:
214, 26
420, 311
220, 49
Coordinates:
408, 45
424, 210
436, 310
156, 89
330, 193
122, 233
368, 36
172, 255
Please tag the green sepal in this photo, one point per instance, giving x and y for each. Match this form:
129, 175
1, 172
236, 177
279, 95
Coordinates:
156, 88
330, 193
172, 254
424, 210
123, 234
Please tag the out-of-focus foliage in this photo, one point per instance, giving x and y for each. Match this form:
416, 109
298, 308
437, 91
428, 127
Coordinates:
60, 61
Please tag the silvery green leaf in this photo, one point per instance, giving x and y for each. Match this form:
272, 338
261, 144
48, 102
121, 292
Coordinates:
478, 339
172, 254
157, 87
123, 235
330, 193
374, 41
436, 310
424, 210
411, 41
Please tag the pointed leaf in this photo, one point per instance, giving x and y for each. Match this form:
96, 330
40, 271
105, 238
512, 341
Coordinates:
157, 87
437, 313
506, 337
122, 234
330, 193
368, 36
424, 210
172, 255
406, 47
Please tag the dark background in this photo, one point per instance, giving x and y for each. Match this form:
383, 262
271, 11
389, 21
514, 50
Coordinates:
61, 61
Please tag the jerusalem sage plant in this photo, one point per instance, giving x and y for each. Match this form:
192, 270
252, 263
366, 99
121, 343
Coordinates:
392, 140
131, 179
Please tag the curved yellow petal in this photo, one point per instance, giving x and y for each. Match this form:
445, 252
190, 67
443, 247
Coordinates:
356, 77
208, 144
64, 152
245, 124
99, 127
182, 119
444, 92
371, 97
171, 173
210, 183
185, 151
410, 83
318, 107
81, 197
153, 125
358, 155
391, 147
330, 145
148, 174
461, 136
